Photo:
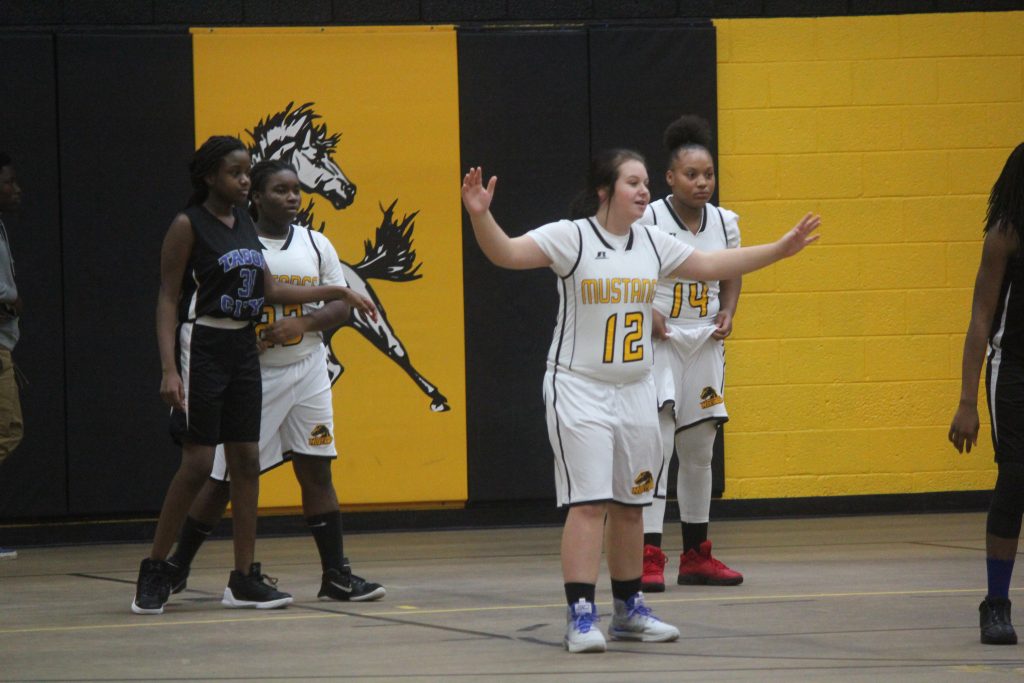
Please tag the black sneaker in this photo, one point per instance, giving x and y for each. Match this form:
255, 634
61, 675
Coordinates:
153, 587
254, 590
996, 628
342, 584
178, 573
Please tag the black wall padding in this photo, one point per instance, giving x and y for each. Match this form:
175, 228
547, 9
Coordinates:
33, 480
523, 116
126, 131
534, 107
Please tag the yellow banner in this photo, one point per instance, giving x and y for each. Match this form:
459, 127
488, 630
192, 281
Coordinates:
370, 118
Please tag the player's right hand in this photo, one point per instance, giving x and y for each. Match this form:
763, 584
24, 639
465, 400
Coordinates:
172, 391
475, 197
963, 432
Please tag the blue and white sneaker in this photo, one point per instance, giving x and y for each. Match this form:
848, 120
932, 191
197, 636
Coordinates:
8, 554
633, 620
581, 634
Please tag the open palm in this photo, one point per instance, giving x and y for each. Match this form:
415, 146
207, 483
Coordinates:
475, 197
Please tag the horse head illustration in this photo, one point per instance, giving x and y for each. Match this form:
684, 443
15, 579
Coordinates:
294, 136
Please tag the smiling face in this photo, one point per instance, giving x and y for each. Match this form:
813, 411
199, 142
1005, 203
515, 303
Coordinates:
278, 198
631, 193
692, 177
230, 182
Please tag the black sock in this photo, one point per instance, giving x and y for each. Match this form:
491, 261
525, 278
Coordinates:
624, 590
326, 530
652, 539
193, 533
694, 535
575, 591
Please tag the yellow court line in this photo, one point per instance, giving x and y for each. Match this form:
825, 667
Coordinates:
408, 610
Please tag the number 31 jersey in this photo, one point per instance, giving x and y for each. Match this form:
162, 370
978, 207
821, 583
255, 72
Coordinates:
305, 258
606, 290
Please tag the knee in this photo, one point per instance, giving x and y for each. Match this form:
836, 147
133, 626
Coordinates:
1007, 508
314, 476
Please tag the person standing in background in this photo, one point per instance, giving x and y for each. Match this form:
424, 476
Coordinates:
11, 428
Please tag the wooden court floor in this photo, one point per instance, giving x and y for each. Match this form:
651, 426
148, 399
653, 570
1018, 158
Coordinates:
832, 599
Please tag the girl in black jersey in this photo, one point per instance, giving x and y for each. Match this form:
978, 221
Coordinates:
213, 284
997, 321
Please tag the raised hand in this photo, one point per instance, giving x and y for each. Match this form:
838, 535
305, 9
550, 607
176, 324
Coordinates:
801, 235
475, 197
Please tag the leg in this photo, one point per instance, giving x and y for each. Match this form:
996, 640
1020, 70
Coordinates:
206, 511
11, 427
697, 566
244, 467
1002, 534
582, 537
653, 579
196, 461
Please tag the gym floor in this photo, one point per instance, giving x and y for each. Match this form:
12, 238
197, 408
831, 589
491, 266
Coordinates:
825, 599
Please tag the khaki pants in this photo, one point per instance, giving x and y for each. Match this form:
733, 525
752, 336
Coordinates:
11, 427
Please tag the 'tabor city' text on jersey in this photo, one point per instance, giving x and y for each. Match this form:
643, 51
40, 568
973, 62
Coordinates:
692, 302
224, 277
606, 289
305, 258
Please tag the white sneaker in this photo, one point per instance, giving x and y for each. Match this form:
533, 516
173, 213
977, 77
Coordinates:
8, 554
581, 634
633, 620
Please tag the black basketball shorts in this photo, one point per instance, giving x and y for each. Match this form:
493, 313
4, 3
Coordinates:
220, 369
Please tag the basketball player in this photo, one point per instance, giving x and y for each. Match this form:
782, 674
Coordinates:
997, 321
297, 422
693, 319
213, 284
598, 388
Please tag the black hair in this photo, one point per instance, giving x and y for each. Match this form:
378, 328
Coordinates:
260, 175
5, 159
687, 132
206, 160
1006, 203
604, 171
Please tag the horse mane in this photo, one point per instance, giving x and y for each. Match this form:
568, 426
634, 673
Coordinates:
267, 145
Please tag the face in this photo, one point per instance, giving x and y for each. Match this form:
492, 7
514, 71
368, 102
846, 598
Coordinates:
10, 191
231, 180
280, 198
692, 177
632, 193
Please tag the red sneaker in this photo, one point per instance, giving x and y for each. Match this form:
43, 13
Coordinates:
653, 579
701, 569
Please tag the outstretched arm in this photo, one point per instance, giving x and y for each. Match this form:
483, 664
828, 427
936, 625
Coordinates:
999, 246
730, 263
516, 253
283, 293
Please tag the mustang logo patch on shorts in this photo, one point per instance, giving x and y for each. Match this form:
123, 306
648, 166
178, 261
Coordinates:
644, 483
320, 436
709, 397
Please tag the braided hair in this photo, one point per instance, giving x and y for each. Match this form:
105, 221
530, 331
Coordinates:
206, 160
1006, 203
603, 173
260, 175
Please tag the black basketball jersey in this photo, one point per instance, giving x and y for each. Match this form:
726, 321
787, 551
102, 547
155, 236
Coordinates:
224, 277
1007, 332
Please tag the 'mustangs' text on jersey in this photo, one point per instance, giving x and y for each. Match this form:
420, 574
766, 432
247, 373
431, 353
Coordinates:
606, 290
688, 303
305, 258
224, 277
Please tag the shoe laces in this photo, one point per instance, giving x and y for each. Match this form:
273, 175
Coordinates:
636, 608
584, 621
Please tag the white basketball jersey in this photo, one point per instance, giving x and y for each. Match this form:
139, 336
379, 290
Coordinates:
692, 302
305, 258
606, 290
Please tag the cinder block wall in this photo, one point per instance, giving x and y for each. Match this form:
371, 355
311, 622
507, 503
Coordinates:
844, 369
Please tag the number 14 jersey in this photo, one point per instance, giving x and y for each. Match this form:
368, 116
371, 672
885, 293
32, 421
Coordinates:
606, 288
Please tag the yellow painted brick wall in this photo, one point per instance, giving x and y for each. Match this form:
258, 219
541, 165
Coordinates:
844, 369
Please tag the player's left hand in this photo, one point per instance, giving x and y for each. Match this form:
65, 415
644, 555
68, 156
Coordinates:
363, 304
963, 432
801, 235
723, 325
284, 330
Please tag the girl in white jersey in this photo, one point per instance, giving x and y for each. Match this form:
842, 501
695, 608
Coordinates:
692, 319
598, 388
